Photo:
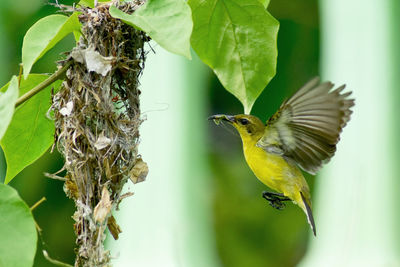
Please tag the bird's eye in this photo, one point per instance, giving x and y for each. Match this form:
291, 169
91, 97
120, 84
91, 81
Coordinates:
244, 121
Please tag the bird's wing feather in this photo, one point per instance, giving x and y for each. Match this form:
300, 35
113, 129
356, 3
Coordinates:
307, 126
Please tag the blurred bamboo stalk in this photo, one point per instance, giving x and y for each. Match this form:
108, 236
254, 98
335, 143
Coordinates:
356, 204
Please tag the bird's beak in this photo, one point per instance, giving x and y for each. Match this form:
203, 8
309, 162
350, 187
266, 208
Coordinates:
221, 117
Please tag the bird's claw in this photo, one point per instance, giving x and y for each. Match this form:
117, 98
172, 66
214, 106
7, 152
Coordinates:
275, 200
277, 204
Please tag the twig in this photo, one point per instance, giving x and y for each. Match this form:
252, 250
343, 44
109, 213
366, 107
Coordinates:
55, 262
129, 194
38, 228
38, 203
34, 207
54, 176
20, 74
55, 76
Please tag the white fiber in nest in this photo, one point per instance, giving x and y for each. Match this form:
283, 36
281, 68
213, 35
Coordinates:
93, 60
66, 111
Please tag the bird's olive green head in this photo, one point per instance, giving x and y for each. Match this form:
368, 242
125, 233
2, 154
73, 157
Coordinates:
247, 125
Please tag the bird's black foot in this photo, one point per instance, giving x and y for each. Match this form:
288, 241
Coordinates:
275, 199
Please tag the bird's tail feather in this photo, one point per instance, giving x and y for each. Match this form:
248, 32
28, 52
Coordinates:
309, 214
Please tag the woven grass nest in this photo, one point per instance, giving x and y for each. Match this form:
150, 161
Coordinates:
97, 118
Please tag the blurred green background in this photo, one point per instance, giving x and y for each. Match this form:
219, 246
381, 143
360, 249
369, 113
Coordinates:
207, 194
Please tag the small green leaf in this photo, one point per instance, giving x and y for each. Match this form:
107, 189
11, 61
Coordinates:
44, 35
168, 22
30, 132
90, 3
238, 40
17, 231
87, 3
7, 103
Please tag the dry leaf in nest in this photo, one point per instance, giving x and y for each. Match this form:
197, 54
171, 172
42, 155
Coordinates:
113, 227
139, 171
70, 188
103, 208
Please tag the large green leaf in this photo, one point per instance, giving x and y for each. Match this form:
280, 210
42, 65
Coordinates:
44, 35
30, 132
168, 22
238, 40
17, 231
7, 103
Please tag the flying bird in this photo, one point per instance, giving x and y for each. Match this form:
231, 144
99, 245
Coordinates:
303, 133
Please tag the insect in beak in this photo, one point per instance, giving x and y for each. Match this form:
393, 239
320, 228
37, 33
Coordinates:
220, 117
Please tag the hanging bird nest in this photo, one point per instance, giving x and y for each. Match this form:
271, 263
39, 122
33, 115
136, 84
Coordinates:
97, 118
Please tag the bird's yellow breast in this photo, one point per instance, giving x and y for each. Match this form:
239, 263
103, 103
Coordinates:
273, 170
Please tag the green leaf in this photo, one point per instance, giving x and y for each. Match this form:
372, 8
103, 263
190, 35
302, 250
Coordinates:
87, 3
7, 103
238, 40
90, 3
77, 36
30, 132
168, 22
44, 35
17, 231
265, 3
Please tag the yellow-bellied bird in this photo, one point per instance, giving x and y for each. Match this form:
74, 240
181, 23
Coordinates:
302, 133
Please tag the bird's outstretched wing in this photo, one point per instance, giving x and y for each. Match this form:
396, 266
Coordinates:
307, 126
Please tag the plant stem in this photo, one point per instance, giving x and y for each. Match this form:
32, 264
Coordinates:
55, 262
20, 74
55, 76
38, 203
